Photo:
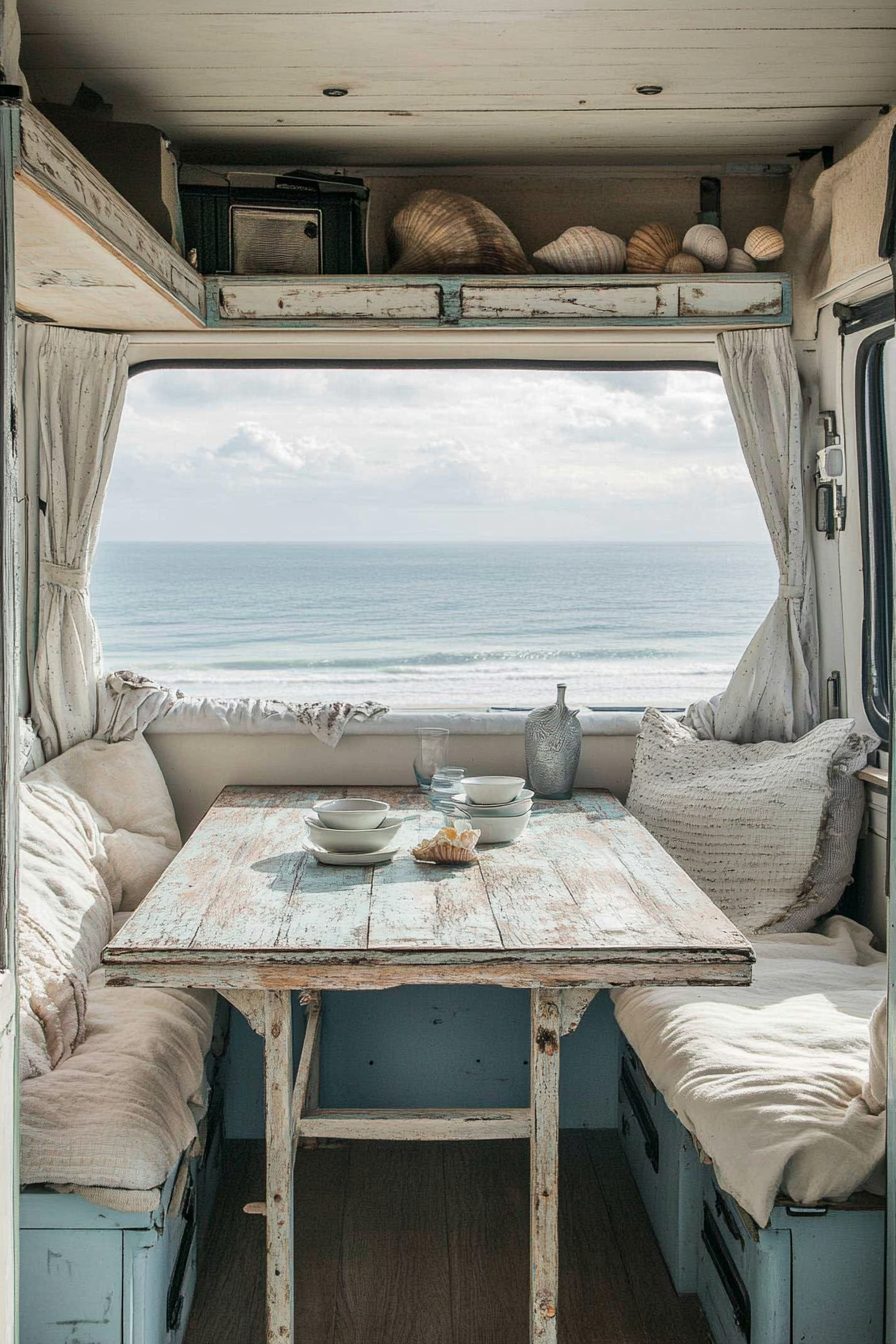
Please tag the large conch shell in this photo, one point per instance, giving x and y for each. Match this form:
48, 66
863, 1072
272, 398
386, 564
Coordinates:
764, 243
650, 248
708, 244
584, 250
443, 233
449, 846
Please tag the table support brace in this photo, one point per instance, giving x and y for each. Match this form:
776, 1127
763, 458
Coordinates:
545, 1135
279, 1136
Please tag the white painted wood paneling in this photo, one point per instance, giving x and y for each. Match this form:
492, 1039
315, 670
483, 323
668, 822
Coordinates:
593, 300
452, 83
264, 300
8, 1160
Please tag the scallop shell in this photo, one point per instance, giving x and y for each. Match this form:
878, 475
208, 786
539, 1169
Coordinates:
708, 244
440, 232
683, 263
449, 846
739, 260
584, 250
650, 248
764, 243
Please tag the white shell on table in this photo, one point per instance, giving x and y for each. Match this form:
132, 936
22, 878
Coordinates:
444, 233
683, 263
584, 250
764, 243
650, 248
739, 260
448, 846
708, 244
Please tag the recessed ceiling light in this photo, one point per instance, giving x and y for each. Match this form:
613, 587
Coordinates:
334, 93
649, 90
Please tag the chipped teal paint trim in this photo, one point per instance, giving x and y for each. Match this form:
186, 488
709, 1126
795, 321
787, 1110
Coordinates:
451, 302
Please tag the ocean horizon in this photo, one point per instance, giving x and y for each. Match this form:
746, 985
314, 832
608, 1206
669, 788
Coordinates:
497, 624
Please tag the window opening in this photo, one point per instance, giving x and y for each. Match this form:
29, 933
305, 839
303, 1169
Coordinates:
875, 371
428, 537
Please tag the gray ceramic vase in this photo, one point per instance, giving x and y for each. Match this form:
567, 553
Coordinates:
553, 747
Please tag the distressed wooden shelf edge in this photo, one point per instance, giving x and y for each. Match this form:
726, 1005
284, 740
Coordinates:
748, 300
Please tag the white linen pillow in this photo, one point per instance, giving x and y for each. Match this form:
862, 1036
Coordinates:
64, 921
123, 784
138, 861
767, 829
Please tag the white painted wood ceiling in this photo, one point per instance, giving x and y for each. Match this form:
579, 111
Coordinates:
466, 82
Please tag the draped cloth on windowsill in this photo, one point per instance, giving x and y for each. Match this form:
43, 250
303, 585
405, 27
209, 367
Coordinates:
773, 694
130, 703
72, 389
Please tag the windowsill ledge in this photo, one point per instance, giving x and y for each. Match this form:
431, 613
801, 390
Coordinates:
193, 717
873, 775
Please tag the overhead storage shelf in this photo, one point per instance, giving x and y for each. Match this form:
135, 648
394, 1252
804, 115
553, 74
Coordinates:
84, 256
761, 299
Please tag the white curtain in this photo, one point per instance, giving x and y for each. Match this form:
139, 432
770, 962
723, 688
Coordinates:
773, 694
73, 385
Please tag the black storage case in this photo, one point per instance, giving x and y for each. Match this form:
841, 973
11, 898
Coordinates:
337, 204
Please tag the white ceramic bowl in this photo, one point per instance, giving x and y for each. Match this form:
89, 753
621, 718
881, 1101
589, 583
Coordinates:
351, 814
515, 809
492, 789
499, 830
351, 842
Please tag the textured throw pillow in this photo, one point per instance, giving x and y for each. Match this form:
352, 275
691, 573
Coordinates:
64, 921
123, 784
138, 861
767, 829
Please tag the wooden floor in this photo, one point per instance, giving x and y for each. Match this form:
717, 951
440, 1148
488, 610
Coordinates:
427, 1243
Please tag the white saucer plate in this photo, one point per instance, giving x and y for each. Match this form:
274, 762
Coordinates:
352, 860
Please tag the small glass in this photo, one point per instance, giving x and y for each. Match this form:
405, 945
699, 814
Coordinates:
445, 784
432, 752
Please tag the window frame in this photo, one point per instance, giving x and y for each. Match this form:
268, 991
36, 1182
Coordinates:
876, 528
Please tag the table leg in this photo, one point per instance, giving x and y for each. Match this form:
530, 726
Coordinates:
545, 1103
278, 1084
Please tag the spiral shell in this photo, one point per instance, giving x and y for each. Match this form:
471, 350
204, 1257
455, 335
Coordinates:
584, 250
764, 243
650, 248
708, 244
441, 232
739, 260
683, 263
449, 846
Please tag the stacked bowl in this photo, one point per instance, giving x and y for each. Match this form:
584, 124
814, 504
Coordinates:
351, 830
498, 806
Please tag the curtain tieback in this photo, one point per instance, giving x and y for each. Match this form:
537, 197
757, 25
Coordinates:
791, 590
73, 577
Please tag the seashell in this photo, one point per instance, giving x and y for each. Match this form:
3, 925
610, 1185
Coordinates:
449, 846
684, 263
440, 232
739, 260
764, 243
650, 248
707, 243
584, 250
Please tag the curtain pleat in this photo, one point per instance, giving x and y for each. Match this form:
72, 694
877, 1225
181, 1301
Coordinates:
73, 385
773, 694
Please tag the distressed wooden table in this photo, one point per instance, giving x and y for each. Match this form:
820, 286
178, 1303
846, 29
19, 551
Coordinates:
585, 900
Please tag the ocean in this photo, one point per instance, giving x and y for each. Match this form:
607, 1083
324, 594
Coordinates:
498, 625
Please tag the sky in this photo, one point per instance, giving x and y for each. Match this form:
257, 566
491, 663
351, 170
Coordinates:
417, 455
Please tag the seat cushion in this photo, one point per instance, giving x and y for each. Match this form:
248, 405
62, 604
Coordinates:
121, 1109
767, 829
64, 921
779, 1081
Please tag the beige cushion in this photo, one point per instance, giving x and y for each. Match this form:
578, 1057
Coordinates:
138, 861
123, 784
64, 921
118, 1113
768, 829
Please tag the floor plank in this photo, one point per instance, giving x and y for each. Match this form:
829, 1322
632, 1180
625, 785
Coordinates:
666, 1318
394, 1282
488, 1241
426, 1243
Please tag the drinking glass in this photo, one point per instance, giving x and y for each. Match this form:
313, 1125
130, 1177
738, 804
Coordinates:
432, 752
445, 784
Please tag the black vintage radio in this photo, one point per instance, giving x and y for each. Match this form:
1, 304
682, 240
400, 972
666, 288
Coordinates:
303, 224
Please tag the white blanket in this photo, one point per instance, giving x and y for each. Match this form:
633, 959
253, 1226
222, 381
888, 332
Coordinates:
773, 1079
